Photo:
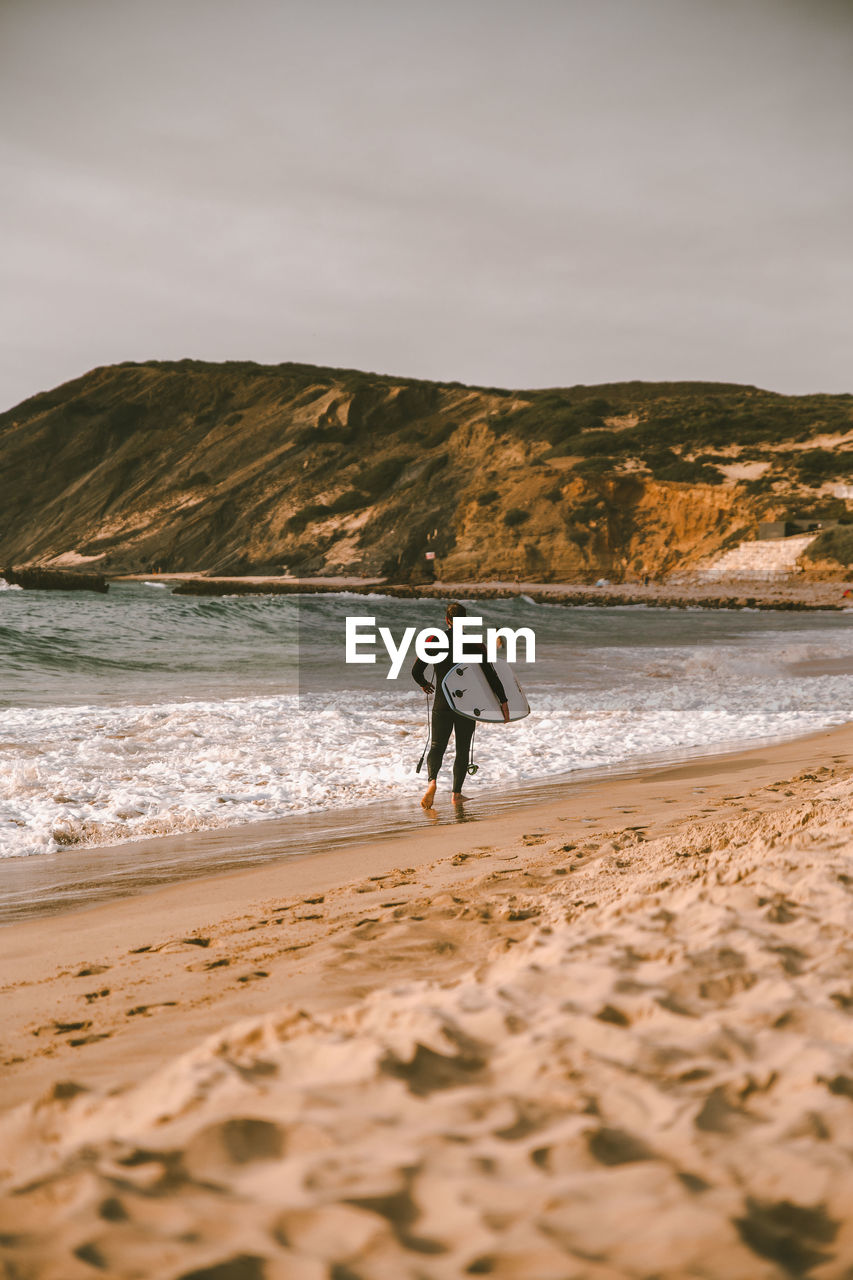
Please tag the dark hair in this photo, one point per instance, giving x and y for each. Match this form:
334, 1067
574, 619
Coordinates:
456, 610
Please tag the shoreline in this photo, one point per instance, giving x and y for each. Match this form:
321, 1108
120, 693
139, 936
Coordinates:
75, 880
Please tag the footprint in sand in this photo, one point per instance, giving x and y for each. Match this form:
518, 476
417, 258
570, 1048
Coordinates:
254, 976
112, 1210
523, 913
617, 1146
65, 1028
610, 1013
459, 858
96, 995
793, 1234
91, 970
427, 1071
65, 1090
170, 946
92, 1039
780, 910
145, 1009
232, 1143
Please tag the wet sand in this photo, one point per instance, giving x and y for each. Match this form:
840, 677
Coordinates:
77, 878
608, 1036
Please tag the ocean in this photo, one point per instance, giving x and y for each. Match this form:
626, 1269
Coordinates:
142, 714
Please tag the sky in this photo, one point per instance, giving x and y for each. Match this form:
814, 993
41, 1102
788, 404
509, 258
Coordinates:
520, 193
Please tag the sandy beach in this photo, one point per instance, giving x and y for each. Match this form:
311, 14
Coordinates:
608, 1036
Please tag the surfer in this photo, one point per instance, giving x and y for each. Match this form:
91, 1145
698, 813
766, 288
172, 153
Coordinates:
445, 720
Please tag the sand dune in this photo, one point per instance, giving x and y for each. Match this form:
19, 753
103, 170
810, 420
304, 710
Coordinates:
646, 1070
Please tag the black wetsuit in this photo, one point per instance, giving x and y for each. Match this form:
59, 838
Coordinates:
445, 720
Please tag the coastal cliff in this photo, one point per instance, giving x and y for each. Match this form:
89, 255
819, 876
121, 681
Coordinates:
240, 468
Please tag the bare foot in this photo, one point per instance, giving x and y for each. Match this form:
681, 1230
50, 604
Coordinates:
428, 796
457, 797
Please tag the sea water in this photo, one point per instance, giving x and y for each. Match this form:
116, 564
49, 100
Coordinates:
142, 713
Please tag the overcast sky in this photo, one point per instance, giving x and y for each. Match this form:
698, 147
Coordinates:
511, 192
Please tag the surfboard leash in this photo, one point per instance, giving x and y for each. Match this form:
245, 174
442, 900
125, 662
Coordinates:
472, 768
420, 763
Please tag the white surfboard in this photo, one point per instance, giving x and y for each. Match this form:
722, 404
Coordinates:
468, 691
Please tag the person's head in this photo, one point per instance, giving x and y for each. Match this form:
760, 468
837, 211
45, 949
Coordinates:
455, 610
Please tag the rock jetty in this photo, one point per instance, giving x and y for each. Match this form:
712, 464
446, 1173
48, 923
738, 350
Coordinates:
36, 578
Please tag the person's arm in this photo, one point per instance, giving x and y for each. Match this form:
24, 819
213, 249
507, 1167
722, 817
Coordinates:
418, 671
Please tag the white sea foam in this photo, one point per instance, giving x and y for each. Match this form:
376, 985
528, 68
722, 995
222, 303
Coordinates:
98, 775
9, 586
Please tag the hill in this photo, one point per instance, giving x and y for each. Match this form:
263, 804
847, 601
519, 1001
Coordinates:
236, 468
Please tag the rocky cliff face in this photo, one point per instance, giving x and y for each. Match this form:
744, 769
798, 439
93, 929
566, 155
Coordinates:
240, 468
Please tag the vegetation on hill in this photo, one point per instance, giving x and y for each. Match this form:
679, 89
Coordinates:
238, 467
833, 544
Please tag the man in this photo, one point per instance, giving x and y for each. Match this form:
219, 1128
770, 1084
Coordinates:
445, 720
